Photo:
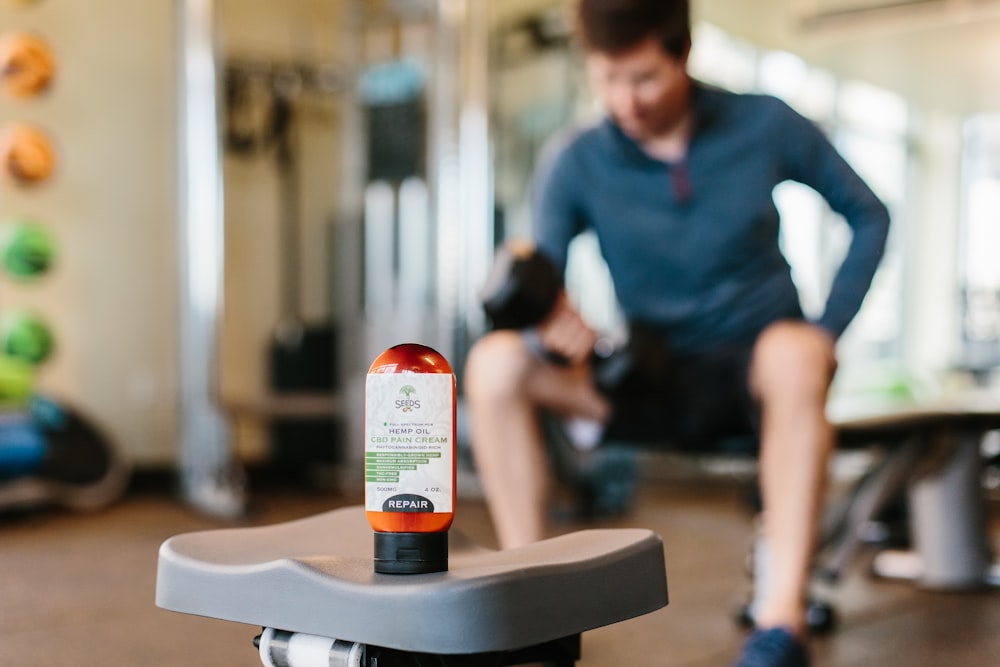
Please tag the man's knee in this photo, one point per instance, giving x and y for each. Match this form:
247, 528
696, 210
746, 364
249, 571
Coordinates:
795, 359
496, 365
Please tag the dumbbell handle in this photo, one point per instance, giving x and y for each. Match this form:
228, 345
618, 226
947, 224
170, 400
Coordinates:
604, 347
533, 339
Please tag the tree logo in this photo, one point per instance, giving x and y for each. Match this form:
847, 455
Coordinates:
408, 403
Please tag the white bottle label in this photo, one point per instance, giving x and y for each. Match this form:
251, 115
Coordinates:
408, 442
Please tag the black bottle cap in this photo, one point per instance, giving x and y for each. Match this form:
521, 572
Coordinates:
411, 553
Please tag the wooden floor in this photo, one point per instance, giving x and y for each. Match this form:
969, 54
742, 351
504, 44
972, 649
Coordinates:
78, 589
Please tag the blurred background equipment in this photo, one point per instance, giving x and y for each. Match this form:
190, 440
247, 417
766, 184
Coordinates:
477, 90
22, 446
17, 380
27, 249
25, 335
26, 154
27, 64
52, 454
263, 105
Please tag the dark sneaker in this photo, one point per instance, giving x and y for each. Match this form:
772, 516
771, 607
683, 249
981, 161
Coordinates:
774, 647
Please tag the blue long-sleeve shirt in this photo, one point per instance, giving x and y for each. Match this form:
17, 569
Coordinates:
693, 247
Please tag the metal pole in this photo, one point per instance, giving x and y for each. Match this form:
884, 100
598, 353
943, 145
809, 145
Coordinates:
477, 171
445, 170
462, 173
210, 479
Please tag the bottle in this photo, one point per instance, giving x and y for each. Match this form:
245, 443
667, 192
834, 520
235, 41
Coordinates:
410, 458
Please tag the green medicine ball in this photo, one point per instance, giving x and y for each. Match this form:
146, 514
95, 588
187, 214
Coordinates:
27, 249
17, 379
25, 336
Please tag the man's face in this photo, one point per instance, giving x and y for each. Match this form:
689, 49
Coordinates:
645, 89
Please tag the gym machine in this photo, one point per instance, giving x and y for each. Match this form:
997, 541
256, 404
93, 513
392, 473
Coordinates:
311, 585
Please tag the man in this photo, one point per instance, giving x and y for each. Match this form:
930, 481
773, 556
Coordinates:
677, 183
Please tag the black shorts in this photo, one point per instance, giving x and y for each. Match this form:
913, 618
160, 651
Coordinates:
702, 401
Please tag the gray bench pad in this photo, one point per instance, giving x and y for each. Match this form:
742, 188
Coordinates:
315, 575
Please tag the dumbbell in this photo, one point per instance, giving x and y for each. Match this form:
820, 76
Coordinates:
520, 292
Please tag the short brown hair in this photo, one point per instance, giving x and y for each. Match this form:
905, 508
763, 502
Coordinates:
614, 26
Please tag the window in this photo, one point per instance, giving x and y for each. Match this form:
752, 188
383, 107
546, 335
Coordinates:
979, 260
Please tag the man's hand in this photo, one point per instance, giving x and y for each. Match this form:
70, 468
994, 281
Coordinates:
564, 333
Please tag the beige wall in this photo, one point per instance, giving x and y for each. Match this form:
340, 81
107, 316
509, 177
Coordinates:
111, 205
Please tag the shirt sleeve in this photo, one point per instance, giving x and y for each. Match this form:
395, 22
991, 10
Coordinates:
813, 161
556, 215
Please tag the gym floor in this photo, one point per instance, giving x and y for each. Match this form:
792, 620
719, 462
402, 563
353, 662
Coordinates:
78, 589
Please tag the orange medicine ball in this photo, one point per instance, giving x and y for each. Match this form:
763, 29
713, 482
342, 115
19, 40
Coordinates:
26, 154
27, 64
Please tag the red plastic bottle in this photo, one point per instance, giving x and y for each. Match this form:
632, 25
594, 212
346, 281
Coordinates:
410, 397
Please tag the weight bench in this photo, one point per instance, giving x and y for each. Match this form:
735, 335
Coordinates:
311, 585
930, 456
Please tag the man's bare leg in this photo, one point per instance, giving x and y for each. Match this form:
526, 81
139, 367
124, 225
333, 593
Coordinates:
505, 385
792, 368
